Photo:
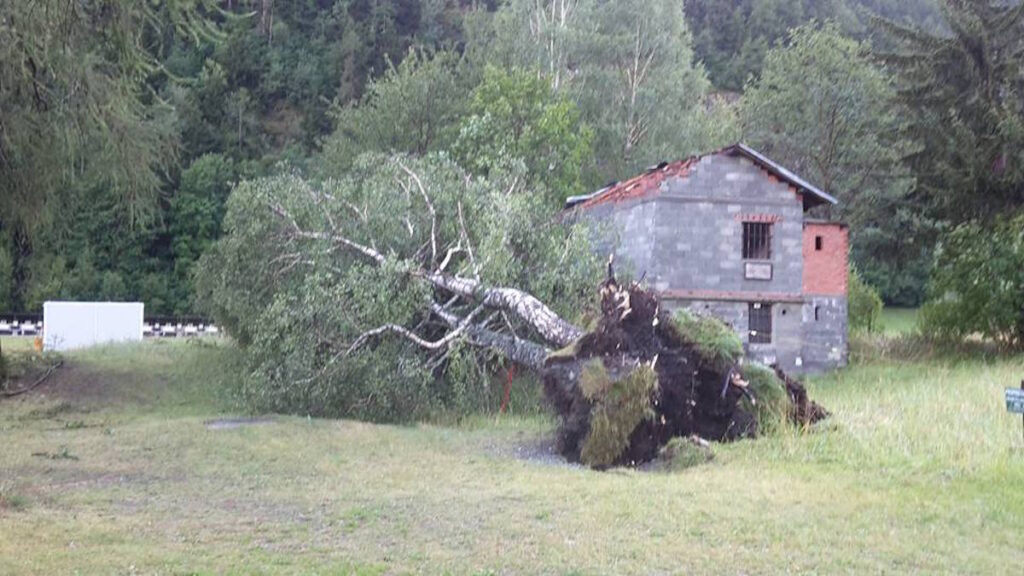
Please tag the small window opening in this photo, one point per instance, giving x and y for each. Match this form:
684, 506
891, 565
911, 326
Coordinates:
817, 242
757, 241
760, 322
817, 313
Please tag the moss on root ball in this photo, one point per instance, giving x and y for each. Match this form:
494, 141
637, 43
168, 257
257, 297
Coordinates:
625, 404
771, 403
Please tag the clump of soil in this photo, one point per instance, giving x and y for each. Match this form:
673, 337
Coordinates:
683, 453
641, 378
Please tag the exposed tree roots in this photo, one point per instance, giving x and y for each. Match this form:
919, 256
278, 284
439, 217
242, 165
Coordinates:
596, 386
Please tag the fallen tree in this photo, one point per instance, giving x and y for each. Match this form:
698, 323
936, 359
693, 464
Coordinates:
374, 288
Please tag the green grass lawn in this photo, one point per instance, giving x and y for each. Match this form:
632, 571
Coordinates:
898, 320
919, 470
16, 343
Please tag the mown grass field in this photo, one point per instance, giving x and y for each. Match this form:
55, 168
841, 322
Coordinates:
111, 469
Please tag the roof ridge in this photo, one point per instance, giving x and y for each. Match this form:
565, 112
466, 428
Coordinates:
646, 182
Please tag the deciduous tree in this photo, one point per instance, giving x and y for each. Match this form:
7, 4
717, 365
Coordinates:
825, 110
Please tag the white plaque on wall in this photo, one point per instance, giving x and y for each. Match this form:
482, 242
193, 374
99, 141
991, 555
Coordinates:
757, 270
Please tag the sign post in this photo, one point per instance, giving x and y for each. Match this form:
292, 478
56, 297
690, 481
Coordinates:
1015, 400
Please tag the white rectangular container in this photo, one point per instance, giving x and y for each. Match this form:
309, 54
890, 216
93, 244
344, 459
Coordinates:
71, 325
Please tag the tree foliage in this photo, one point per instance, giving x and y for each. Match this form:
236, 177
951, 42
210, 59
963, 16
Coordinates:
628, 65
864, 303
732, 37
964, 93
306, 304
414, 107
825, 110
977, 286
515, 116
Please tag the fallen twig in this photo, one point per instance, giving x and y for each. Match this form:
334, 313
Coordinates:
34, 385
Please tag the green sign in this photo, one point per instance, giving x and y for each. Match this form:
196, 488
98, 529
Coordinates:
1015, 400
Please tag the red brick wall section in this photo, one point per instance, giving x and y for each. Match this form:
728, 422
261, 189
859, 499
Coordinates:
825, 270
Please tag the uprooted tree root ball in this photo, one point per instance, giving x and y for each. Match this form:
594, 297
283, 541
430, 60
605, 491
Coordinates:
642, 377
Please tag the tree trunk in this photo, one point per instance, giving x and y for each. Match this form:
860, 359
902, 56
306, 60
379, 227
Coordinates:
551, 327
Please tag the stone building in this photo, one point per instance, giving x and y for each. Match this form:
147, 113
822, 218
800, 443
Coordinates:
728, 234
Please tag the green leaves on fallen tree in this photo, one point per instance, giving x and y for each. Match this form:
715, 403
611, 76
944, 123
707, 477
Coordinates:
315, 278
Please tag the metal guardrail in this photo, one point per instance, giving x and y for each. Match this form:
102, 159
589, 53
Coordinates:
154, 327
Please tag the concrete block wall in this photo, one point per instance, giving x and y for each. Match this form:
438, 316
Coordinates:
627, 230
825, 339
699, 229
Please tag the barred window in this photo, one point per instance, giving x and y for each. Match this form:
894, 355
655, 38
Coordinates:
757, 241
760, 322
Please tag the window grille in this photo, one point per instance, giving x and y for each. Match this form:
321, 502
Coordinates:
757, 241
760, 323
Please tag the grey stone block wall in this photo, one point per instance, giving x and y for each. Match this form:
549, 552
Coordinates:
825, 339
699, 231
627, 230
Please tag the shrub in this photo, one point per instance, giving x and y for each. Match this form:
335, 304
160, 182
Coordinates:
977, 284
865, 305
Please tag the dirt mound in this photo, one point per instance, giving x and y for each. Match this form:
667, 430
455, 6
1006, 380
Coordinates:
641, 378
76, 384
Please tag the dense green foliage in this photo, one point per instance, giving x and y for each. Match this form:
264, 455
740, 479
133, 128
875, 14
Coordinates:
299, 303
98, 196
732, 37
978, 283
126, 125
414, 107
823, 108
964, 93
630, 68
864, 303
516, 116
107, 104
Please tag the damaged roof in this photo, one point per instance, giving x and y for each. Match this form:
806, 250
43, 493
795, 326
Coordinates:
648, 183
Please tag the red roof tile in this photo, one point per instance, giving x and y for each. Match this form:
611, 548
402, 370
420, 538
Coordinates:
648, 184
642, 186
